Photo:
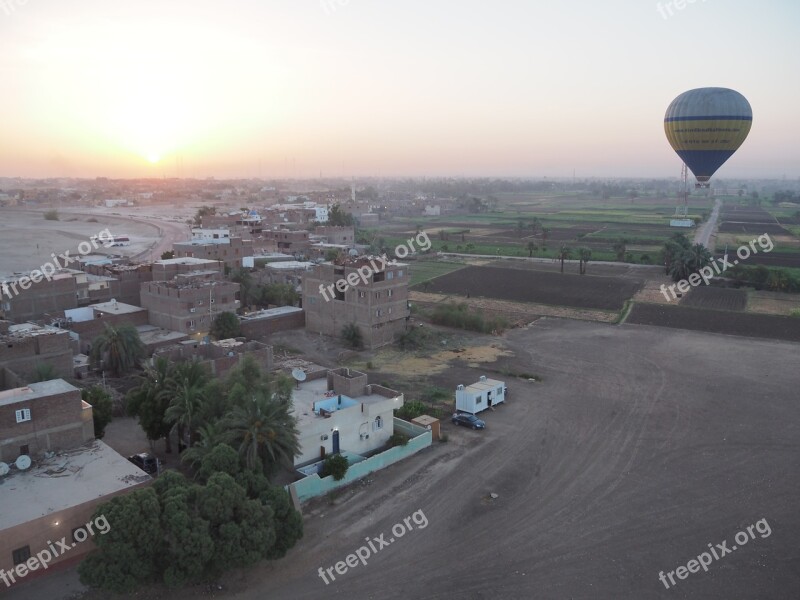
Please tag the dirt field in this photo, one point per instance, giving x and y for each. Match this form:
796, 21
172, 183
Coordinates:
587, 291
717, 321
641, 446
715, 298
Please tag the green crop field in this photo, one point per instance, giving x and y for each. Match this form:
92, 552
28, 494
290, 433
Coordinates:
426, 270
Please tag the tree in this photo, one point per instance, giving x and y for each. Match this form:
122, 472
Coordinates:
545, 233
150, 399
535, 224
620, 247
225, 326
102, 408
335, 465
352, 335
279, 294
204, 211
338, 218
264, 431
585, 255
118, 349
167, 255
246, 290
673, 248
531, 249
186, 387
43, 372
564, 253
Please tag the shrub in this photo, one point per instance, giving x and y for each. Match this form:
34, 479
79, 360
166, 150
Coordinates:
398, 439
51, 215
459, 315
411, 410
352, 335
335, 465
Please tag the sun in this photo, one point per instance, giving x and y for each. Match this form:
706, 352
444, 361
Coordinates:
153, 158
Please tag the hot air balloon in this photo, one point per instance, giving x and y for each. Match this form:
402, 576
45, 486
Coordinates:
706, 126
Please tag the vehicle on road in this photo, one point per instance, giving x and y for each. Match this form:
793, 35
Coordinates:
468, 420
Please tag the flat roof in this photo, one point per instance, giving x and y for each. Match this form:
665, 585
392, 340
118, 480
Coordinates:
67, 479
479, 386
187, 260
31, 330
150, 334
310, 392
272, 312
32, 391
116, 308
288, 265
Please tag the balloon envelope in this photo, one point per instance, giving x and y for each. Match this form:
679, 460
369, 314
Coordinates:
706, 126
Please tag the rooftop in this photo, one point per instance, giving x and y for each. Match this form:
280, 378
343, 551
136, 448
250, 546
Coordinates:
311, 393
65, 480
186, 261
289, 265
271, 312
33, 391
116, 308
24, 330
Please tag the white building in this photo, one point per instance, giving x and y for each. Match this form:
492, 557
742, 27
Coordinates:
338, 412
480, 396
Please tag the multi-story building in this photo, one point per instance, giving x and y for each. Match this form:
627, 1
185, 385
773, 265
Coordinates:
190, 301
168, 269
335, 234
290, 242
289, 272
23, 347
90, 321
126, 279
361, 291
230, 251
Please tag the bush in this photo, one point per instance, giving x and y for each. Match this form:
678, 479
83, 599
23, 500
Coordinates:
335, 465
398, 439
352, 335
411, 410
459, 315
51, 215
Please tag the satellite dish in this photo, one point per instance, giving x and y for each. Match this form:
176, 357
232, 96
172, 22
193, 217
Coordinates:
4, 469
298, 374
23, 462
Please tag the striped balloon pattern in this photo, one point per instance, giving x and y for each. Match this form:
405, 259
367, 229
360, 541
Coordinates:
706, 126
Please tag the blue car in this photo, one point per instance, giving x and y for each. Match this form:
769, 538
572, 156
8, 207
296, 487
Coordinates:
468, 420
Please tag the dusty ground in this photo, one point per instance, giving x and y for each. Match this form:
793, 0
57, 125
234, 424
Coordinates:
641, 446
772, 303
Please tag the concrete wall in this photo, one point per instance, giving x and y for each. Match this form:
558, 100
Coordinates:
314, 485
256, 328
89, 330
21, 354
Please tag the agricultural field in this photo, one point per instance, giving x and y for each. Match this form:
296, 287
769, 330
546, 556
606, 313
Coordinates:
540, 287
741, 224
426, 270
716, 321
715, 298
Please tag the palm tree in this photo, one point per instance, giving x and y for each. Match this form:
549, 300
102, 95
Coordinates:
118, 348
564, 253
545, 233
531, 249
150, 400
620, 247
263, 428
585, 254
209, 436
698, 257
43, 372
186, 387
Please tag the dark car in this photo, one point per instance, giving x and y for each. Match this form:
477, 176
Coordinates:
146, 462
468, 420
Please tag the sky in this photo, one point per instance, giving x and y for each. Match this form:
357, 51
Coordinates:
341, 88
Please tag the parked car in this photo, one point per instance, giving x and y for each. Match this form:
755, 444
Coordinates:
468, 420
146, 462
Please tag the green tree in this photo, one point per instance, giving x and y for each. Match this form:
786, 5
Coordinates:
564, 253
264, 431
118, 349
102, 408
338, 218
545, 233
203, 211
352, 335
585, 255
43, 372
620, 247
335, 465
150, 399
247, 292
225, 326
279, 294
531, 249
167, 255
186, 387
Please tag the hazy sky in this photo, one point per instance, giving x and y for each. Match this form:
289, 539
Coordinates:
378, 87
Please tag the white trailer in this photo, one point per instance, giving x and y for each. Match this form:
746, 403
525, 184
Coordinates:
480, 396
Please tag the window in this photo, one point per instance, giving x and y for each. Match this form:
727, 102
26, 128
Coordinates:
378, 313
23, 415
400, 273
499, 390
21, 555
312, 300
390, 310
190, 324
377, 423
390, 275
377, 295
25, 449
362, 294
389, 293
